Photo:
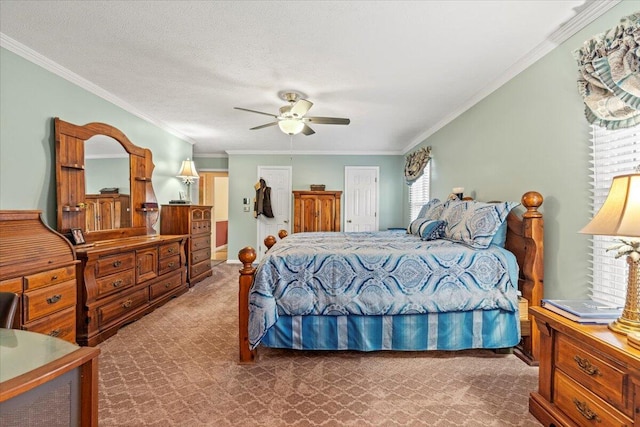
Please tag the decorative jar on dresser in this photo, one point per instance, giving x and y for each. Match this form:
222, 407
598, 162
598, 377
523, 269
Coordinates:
39, 265
195, 221
588, 375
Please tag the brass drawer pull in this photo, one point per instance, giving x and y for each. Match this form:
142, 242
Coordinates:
117, 263
586, 366
54, 299
127, 303
54, 277
171, 250
167, 285
585, 411
55, 333
171, 264
117, 283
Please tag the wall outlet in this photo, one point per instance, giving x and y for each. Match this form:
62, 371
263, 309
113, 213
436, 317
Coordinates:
246, 208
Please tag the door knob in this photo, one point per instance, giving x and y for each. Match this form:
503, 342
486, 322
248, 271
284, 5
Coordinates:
286, 221
349, 221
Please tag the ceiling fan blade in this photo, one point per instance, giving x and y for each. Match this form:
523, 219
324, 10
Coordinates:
254, 111
327, 120
264, 126
307, 130
301, 107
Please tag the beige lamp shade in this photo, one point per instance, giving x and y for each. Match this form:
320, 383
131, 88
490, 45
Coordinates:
188, 170
620, 213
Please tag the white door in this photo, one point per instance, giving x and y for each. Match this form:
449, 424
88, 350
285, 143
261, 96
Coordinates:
361, 198
279, 179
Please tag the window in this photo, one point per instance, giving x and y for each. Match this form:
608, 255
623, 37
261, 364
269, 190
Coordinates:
419, 192
614, 152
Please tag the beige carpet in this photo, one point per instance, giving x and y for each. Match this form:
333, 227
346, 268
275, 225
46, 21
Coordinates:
177, 367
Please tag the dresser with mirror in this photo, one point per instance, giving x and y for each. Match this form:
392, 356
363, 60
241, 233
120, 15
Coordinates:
104, 190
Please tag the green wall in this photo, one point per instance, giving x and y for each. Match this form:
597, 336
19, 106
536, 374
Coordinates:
309, 169
30, 98
531, 134
211, 163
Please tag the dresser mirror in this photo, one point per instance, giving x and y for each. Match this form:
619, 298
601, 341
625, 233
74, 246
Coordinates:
103, 182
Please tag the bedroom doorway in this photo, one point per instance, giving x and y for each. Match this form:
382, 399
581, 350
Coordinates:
279, 179
214, 191
361, 198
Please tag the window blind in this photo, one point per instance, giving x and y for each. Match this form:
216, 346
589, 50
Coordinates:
614, 152
419, 192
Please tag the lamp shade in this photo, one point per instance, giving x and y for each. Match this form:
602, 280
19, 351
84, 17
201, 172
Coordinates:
620, 213
188, 170
291, 126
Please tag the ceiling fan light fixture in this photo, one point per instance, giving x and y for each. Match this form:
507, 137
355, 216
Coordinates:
291, 126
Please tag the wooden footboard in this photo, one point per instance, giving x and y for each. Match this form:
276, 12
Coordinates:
525, 238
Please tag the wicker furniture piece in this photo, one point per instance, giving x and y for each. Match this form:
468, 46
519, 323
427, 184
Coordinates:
194, 221
589, 375
39, 265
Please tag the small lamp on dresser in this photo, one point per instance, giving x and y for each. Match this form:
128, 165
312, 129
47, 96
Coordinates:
620, 216
188, 174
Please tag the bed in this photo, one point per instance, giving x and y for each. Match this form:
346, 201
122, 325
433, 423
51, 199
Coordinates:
402, 291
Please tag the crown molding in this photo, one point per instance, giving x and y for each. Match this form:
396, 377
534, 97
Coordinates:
588, 14
313, 153
57, 69
211, 155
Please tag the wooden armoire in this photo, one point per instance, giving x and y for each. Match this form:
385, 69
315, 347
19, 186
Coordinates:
316, 211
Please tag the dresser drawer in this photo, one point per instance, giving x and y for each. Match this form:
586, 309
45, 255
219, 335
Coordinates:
199, 214
50, 277
594, 373
42, 302
116, 309
201, 242
60, 325
115, 282
170, 250
200, 255
112, 264
169, 264
198, 269
583, 406
165, 285
200, 227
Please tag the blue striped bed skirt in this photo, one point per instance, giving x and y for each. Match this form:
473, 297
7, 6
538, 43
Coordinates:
409, 332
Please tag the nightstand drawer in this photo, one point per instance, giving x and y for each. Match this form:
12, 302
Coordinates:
583, 406
48, 300
579, 362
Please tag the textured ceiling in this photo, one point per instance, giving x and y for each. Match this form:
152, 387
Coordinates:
399, 70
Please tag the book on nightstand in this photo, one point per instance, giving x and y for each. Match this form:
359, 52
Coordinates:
583, 310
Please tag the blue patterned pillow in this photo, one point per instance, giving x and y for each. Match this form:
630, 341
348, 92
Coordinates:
432, 209
427, 229
474, 223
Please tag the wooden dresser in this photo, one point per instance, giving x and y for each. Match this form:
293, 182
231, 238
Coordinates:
589, 375
195, 221
316, 211
121, 280
107, 211
38, 264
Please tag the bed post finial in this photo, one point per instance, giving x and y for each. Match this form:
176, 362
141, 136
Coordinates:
247, 256
532, 200
282, 234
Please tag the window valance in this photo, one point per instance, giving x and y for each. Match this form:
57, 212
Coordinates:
609, 77
415, 164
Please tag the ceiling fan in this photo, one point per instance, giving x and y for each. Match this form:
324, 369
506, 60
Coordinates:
292, 119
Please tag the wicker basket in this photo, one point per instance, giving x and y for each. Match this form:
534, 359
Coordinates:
317, 187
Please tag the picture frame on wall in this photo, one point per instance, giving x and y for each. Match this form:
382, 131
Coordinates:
77, 237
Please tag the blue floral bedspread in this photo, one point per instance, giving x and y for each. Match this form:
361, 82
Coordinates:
377, 273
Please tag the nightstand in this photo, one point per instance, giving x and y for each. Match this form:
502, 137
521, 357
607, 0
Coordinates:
588, 375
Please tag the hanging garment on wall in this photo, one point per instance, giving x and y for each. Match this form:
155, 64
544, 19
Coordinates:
262, 202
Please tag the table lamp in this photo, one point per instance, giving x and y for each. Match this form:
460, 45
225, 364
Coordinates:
188, 174
620, 216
